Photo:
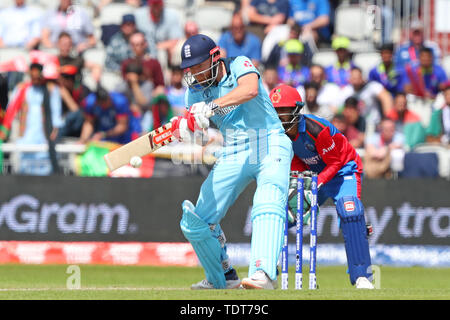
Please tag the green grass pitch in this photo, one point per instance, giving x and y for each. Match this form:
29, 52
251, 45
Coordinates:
155, 283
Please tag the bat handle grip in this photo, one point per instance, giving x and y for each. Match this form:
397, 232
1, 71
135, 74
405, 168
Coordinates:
213, 110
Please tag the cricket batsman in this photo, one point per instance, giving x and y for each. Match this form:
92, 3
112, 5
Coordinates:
321, 148
229, 92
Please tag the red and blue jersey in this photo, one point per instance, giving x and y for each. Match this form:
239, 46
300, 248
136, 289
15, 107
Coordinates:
321, 148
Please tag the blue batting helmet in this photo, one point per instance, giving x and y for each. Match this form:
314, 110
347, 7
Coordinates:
196, 50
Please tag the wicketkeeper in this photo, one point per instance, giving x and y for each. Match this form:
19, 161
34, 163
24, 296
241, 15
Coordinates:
230, 93
321, 148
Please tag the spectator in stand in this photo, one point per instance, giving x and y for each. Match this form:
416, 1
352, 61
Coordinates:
266, 14
20, 26
425, 79
106, 117
138, 90
161, 27
312, 106
190, 29
278, 55
340, 72
371, 96
445, 138
71, 19
407, 122
240, 42
293, 73
328, 91
118, 49
32, 120
270, 78
151, 69
353, 117
175, 91
377, 156
134, 3
68, 56
352, 134
386, 72
408, 53
72, 95
313, 16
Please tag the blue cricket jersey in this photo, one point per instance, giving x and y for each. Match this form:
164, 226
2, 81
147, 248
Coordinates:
242, 123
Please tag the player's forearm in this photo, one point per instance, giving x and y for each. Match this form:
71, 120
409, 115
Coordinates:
245, 91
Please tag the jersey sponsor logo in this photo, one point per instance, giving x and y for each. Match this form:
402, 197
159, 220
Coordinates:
248, 64
312, 160
349, 206
226, 110
329, 148
187, 51
310, 147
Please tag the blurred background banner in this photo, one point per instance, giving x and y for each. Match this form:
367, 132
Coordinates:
402, 212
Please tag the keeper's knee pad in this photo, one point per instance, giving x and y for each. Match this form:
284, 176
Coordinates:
206, 245
351, 212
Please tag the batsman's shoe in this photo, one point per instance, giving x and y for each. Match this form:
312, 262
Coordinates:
363, 283
231, 278
259, 280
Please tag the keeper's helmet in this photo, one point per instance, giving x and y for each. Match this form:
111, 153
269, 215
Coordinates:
284, 96
196, 50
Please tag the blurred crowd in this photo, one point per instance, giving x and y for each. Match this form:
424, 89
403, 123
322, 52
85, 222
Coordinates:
402, 102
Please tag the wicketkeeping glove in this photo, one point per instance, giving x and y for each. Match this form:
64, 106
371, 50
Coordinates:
307, 198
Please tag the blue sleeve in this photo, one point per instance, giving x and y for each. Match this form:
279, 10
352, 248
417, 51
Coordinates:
89, 103
323, 8
398, 61
441, 75
242, 66
256, 48
401, 80
291, 8
373, 76
284, 7
56, 108
223, 41
121, 104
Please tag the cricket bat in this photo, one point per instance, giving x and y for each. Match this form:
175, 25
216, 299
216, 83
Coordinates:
142, 146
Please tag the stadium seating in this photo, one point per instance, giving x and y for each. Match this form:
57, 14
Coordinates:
97, 55
443, 155
277, 34
446, 64
112, 13
324, 58
366, 61
213, 17
355, 23
420, 165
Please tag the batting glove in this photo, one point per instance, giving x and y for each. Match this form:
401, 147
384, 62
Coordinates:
185, 129
180, 129
202, 111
